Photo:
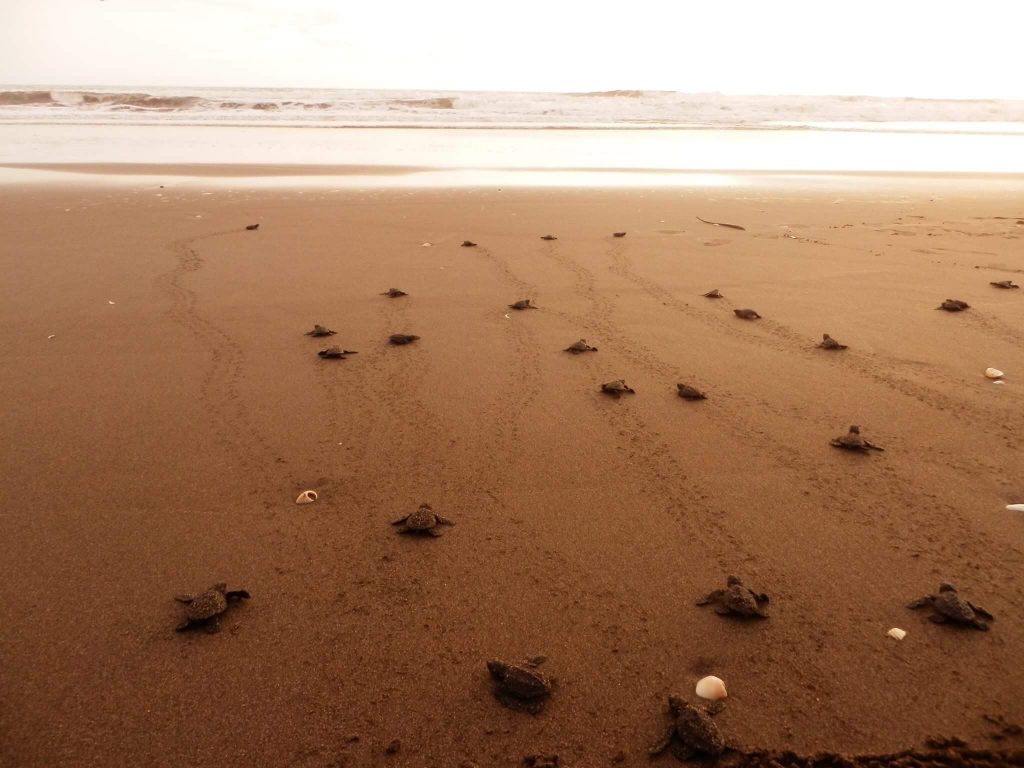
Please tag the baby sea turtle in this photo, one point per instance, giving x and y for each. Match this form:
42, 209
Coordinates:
715, 294
949, 606
520, 686
1004, 284
827, 342
394, 293
319, 330
335, 353
205, 608
522, 304
468, 244
747, 314
618, 234
852, 441
424, 520
252, 227
691, 732
617, 388
690, 393
737, 599
954, 305
402, 338
548, 237
580, 346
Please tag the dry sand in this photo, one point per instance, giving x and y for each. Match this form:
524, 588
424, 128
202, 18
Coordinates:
156, 444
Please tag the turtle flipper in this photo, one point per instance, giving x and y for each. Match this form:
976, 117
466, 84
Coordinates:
435, 532
710, 597
237, 594
444, 520
938, 618
184, 598
185, 624
979, 624
921, 602
872, 446
400, 521
722, 610
982, 612
212, 626
665, 740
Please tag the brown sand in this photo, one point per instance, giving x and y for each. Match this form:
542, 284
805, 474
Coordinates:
155, 445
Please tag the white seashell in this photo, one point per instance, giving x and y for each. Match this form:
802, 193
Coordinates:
896, 633
52, 336
993, 373
998, 381
425, 245
1015, 507
711, 688
306, 497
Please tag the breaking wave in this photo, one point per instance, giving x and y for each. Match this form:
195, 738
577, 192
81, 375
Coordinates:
613, 108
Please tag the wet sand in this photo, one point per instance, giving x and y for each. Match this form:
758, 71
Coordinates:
156, 445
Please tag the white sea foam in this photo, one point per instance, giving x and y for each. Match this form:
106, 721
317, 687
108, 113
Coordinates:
613, 109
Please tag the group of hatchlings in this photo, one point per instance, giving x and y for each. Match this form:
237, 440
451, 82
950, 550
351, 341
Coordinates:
851, 441
691, 731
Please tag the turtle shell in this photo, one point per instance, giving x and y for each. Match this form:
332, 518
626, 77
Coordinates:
422, 519
207, 604
519, 680
695, 728
952, 606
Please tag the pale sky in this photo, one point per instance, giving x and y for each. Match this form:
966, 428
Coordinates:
939, 48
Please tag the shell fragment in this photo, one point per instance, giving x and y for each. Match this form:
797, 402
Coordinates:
993, 373
306, 497
711, 687
896, 633
1015, 507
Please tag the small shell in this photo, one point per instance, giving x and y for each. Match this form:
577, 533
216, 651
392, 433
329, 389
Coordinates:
1015, 507
896, 633
993, 373
998, 381
711, 688
306, 497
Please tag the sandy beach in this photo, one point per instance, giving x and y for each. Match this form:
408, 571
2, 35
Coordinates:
155, 445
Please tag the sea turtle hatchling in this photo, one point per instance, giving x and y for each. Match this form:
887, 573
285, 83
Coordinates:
827, 342
423, 521
617, 388
205, 608
714, 294
691, 732
1004, 284
580, 346
736, 599
948, 606
690, 393
335, 353
468, 244
522, 304
618, 234
548, 237
954, 305
394, 293
746, 314
520, 686
402, 338
852, 441
319, 330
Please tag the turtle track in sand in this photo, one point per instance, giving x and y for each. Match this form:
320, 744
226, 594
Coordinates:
892, 490
774, 335
219, 389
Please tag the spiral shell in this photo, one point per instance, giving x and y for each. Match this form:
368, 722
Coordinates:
306, 497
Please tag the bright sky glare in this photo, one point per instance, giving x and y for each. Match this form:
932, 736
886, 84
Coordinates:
877, 47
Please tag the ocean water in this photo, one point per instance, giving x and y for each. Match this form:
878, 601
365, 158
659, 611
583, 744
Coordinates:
610, 138
611, 109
